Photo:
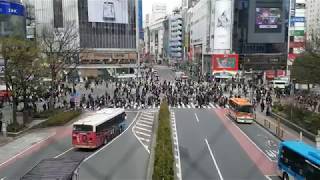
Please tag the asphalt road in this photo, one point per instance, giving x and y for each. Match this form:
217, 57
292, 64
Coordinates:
209, 151
60, 145
165, 73
125, 158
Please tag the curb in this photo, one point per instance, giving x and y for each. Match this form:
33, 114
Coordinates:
152, 149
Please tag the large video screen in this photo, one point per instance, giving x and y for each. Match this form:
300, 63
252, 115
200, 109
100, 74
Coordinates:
268, 19
108, 11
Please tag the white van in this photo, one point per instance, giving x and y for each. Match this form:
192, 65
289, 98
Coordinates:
280, 83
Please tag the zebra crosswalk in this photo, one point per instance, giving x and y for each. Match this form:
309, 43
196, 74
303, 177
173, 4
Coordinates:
179, 106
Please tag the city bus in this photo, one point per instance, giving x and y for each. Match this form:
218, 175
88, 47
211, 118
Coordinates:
298, 161
241, 110
98, 129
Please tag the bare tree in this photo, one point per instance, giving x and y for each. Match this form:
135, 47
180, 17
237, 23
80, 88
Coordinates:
61, 49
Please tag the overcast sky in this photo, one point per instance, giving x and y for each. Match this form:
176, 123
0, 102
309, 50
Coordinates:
147, 5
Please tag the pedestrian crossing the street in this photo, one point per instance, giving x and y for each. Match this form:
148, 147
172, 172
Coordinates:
143, 128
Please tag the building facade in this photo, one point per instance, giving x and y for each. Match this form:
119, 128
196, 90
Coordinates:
159, 10
176, 36
312, 18
297, 31
261, 44
107, 32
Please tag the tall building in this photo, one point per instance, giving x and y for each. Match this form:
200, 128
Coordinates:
297, 31
159, 10
107, 31
312, 18
176, 36
262, 44
140, 15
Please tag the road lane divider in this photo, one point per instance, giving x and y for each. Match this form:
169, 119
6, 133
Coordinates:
65, 152
214, 160
176, 146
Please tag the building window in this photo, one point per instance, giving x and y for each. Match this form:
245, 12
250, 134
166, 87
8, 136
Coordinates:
57, 14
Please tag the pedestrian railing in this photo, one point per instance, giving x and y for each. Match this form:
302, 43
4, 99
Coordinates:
294, 127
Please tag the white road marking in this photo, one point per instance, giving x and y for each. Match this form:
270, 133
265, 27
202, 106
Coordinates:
142, 133
192, 105
179, 106
211, 105
145, 125
64, 153
188, 106
146, 122
3, 178
145, 119
143, 129
268, 177
178, 162
147, 115
195, 114
214, 159
144, 139
183, 106
102, 148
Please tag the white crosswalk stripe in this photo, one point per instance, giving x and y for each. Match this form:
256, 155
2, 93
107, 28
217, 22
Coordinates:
192, 105
178, 106
143, 128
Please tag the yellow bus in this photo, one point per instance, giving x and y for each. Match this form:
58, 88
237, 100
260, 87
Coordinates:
241, 110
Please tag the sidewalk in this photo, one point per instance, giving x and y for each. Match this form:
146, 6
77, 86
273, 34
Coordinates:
22, 144
271, 125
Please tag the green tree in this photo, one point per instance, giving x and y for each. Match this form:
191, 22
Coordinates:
306, 69
23, 71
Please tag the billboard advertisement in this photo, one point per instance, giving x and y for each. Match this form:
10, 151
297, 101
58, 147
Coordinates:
225, 62
268, 18
223, 23
11, 8
108, 11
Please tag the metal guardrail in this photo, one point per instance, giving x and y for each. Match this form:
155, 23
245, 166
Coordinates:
294, 127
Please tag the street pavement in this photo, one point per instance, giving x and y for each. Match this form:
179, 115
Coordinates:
125, 158
58, 145
209, 151
211, 146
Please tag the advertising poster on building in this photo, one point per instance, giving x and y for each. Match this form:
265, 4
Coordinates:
228, 62
268, 18
223, 23
108, 11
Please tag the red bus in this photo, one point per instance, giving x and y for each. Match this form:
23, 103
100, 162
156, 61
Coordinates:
98, 129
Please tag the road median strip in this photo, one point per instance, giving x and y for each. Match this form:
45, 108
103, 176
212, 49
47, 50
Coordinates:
163, 167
